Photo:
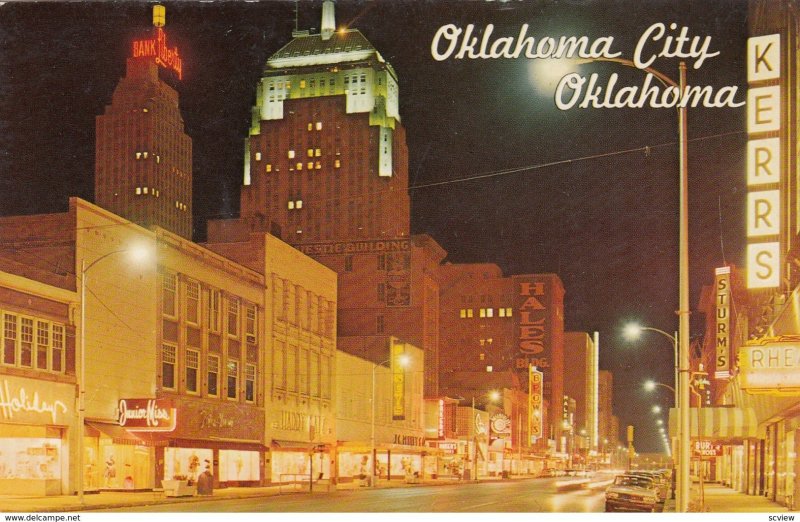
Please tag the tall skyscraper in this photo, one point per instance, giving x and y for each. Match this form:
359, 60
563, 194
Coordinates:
326, 166
143, 157
326, 158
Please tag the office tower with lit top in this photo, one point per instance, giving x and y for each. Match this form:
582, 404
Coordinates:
143, 156
326, 156
326, 167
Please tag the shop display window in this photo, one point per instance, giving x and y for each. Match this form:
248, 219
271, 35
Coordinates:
292, 465
238, 465
30, 458
187, 463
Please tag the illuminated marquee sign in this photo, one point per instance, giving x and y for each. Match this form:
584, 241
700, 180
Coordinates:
763, 162
500, 425
723, 336
146, 414
535, 384
157, 48
770, 367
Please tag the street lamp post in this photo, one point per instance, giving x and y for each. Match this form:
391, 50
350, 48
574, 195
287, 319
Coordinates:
683, 269
402, 361
137, 253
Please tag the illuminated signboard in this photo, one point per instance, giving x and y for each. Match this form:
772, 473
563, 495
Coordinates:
18, 404
770, 367
157, 48
723, 301
763, 162
706, 448
398, 382
500, 426
441, 419
535, 384
146, 414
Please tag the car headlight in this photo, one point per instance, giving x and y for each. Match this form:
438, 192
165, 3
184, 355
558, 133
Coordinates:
611, 494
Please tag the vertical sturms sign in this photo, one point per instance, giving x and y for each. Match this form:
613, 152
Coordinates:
764, 161
722, 289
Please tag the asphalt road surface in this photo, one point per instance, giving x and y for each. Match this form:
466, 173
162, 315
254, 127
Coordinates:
534, 495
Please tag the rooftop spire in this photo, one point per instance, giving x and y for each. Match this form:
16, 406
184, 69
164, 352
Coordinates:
328, 20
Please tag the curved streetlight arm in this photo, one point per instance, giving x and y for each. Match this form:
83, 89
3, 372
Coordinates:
663, 78
662, 332
667, 386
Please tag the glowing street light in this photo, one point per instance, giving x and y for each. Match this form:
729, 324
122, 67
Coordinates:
656, 409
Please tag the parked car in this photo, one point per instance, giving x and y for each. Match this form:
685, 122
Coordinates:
660, 480
549, 472
632, 493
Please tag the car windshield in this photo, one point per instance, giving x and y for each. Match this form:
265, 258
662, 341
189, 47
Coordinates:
631, 481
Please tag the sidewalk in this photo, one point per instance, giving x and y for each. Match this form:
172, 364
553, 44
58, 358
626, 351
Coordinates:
121, 499
722, 499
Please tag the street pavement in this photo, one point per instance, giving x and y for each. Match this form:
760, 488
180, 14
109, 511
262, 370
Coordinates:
721, 499
717, 498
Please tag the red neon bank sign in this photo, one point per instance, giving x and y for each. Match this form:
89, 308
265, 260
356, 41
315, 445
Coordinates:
157, 48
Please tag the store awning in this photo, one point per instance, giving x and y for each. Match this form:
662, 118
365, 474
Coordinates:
297, 444
120, 435
718, 423
116, 433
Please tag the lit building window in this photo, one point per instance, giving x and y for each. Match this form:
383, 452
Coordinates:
233, 318
169, 295
138, 191
319, 125
482, 312
290, 205
317, 152
213, 310
302, 84
138, 155
291, 154
463, 313
269, 167
212, 377
490, 312
310, 126
310, 153
192, 367
337, 163
144, 110
299, 166
168, 366
317, 165
144, 155
489, 369
250, 383
299, 204
192, 302
469, 313
258, 156
310, 165
233, 379
145, 190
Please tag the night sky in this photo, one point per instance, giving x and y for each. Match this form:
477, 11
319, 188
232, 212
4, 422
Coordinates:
497, 172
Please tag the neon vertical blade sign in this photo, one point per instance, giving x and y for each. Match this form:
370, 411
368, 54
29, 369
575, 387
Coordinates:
158, 49
722, 288
764, 219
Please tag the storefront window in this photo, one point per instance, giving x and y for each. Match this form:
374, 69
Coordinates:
30, 458
187, 463
238, 465
294, 465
